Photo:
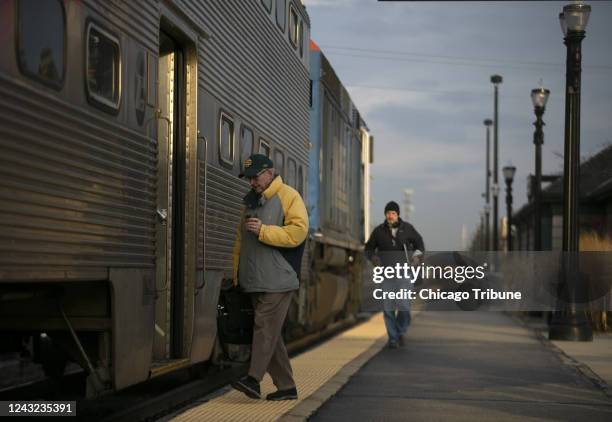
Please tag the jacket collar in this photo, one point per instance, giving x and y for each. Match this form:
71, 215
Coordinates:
400, 223
273, 188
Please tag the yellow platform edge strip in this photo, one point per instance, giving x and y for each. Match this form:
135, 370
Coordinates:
319, 373
303, 410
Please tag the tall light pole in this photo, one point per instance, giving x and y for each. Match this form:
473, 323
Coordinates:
509, 171
487, 209
496, 80
569, 323
539, 97
482, 244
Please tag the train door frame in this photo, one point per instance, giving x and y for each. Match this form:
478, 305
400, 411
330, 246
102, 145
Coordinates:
177, 193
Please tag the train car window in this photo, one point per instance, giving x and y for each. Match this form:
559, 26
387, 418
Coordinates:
291, 172
301, 37
300, 181
264, 148
267, 4
279, 162
293, 26
281, 7
103, 73
246, 144
41, 41
226, 140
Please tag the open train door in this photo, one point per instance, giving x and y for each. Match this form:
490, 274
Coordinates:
185, 309
175, 228
170, 230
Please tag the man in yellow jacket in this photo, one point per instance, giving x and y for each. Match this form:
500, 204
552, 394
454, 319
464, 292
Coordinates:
267, 256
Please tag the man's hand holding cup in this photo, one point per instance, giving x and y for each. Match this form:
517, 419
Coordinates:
252, 224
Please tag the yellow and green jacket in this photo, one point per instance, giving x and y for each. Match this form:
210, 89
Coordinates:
270, 262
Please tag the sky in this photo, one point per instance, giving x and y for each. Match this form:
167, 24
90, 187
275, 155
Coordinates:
419, 72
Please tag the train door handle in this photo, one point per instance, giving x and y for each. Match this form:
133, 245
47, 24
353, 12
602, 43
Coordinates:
162, 214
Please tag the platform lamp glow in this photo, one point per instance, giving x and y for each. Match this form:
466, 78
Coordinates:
509, 172
539, 96
568, 323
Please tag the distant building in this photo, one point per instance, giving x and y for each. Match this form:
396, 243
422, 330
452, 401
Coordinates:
595, 211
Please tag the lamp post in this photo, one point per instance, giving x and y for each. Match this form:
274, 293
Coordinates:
487, 227
482, 240
568, 323
509, 171
496, 80
539, 97
487, 240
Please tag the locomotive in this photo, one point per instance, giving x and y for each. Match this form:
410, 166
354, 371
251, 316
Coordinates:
123, 128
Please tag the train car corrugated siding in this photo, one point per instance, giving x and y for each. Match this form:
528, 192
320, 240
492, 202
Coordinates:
269, 84
253, 72
139, 20
224, 197
248, 65
77, 189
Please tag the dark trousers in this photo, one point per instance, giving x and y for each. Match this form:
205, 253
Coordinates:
268, 351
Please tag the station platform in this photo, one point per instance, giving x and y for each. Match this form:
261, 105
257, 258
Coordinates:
470, 366
319, 373
455, 366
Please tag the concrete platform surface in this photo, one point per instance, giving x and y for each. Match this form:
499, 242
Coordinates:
597, 355
469, 366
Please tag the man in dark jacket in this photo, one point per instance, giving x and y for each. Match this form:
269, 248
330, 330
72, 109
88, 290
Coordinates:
395, 241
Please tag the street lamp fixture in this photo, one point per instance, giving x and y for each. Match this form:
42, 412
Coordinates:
539, 96
574, 17
568, 323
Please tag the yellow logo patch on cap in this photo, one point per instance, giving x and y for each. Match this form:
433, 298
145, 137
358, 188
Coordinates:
248, 162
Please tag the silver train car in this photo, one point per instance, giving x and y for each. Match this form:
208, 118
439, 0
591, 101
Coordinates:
123, 125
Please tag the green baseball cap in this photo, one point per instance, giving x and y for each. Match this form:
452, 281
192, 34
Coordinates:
255, 164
